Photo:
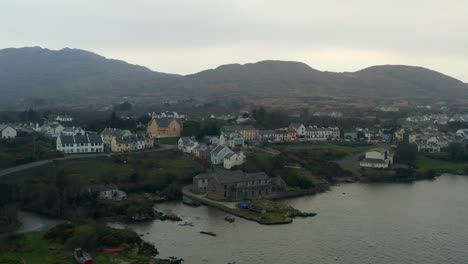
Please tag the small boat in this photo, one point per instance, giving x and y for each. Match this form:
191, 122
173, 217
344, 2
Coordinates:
190, 202
186, 224
111, 250
208, 233
82, 257
230, 218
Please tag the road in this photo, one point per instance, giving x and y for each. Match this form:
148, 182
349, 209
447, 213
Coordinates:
78, 156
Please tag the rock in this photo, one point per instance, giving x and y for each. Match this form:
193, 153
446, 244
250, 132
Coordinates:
148, 249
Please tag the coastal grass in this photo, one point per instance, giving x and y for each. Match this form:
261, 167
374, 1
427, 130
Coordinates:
32, 248
86, 173
425, 164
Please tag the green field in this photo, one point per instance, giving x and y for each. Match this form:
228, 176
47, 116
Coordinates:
161, 173
167, 141
425, 164
21, 150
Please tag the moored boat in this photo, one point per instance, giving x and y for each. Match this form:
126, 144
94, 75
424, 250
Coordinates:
82, 257
208, 233
230, 218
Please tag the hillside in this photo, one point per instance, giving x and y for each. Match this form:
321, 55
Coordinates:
281, 78
36, 76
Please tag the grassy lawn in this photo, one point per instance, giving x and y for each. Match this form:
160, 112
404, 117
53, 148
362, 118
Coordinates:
87, 172
21, 150
349, 150
162, 172
167, 141
426, 163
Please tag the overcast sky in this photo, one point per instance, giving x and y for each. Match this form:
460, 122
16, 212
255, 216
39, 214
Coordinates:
188, 36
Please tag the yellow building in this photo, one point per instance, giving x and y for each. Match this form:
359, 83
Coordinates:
109, 133
164, 127
121, 144
400, 134
247, 132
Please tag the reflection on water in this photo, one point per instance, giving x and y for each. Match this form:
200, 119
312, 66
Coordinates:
422, 222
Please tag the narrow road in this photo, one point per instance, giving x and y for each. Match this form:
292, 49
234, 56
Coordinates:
79, 156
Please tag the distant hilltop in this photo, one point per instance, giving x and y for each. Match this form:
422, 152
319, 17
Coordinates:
34, 76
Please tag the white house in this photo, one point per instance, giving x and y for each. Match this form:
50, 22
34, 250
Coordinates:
232, 139
73, 131
463, 133
53, 129
314, 133
217, 154
428, 147
184, 141
233, 159
80, 144
7, 131
377, 158
110, 191
299, 128
64, 118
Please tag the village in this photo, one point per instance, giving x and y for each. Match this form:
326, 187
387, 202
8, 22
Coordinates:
242, 164
227, 151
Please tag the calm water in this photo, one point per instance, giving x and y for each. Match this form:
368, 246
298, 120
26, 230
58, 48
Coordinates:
423, 222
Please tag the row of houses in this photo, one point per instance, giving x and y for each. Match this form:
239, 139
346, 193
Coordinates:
217, 154
232, 135
110, 139
429, 139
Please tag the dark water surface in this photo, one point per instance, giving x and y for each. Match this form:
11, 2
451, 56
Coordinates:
424, 222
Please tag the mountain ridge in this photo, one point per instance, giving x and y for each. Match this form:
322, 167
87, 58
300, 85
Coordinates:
35, 72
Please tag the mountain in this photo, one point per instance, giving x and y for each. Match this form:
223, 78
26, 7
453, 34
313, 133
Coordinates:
35, 76
284, 78
28, 73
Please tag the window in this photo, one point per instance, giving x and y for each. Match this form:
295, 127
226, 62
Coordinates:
225, 187
224, 194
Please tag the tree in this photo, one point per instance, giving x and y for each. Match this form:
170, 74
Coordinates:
407, 154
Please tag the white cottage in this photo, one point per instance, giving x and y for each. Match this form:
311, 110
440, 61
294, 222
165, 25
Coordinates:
377, 158
7, 131
234, 159
217, 154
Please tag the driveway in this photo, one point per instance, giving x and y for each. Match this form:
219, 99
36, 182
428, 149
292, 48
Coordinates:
78, 156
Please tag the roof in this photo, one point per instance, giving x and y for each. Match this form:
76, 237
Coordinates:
374, 161
294, 126
164, 122
227, 177
112, 132
235, 135
67, 139
218, 149
237, 128
381, 150
2, 127
185, 140
203, 176
80, 139
228, 156
106, 187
